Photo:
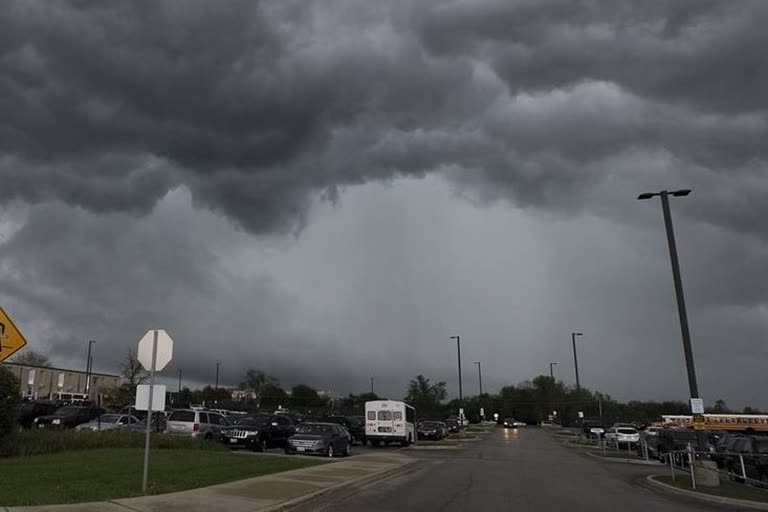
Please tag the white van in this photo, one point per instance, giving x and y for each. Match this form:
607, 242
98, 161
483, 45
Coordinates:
389, 421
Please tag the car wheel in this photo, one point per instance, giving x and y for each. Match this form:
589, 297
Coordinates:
348, 449
208, 436
261, 445
330, 451
287, 451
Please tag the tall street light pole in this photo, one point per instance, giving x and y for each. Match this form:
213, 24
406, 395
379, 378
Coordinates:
217, 375
575, 359
479, 377
458, 346
179, 380
88, 369
687, 349
372, 386
552, 371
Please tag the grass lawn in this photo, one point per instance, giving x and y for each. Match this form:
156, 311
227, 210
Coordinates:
110, 473
726, 490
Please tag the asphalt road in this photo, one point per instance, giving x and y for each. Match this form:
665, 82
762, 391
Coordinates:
523, 470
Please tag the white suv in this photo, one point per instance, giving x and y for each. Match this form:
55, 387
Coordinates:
194, 423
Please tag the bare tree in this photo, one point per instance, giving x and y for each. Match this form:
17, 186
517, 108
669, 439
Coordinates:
31, 358
257, 382
132, 370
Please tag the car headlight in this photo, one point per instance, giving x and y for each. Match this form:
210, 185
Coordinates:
35, 420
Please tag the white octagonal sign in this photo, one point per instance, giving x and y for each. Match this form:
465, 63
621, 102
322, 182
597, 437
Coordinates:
164, 349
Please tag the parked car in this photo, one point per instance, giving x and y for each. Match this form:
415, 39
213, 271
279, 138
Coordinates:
452, 425
753, 450
196, 423
590, 428
259, 432
675, 440
354, 426
109, 421
159, 424
652, 431
34, 408
433, 430
723, 447
68, 417
619, 436
326, 439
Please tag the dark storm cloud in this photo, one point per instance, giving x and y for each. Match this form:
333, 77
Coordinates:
256, 105
109, 110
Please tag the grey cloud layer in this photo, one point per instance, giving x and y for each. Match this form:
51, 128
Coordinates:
256, 105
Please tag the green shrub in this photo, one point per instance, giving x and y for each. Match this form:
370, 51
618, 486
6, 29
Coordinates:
39, 442
10, 400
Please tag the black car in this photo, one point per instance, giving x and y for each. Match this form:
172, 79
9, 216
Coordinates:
433, 430
724, 446
753, 450
452, 425
68, 417
318, 438
678, 439
355, 427
33, 409
259, 432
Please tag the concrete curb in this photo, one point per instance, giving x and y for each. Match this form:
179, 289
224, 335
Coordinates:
359, 482
622, 461
437, 447
752, 505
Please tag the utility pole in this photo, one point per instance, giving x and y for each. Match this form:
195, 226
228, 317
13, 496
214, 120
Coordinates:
179, 380
88, 370
458, 346
575, 359
479, 377
552, 371
217, 375
372, 386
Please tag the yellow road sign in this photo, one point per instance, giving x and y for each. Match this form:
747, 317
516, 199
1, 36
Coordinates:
11, 338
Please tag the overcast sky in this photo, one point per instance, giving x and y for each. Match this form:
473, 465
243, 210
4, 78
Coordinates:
329, 190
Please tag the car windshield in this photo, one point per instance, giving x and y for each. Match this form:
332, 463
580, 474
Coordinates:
626, 431
253, 421
429, 425
109, 418
314, 428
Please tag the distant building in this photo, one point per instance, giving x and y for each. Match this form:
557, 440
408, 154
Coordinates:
45, 382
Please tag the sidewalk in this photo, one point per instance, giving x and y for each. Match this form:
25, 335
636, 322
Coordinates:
266, 493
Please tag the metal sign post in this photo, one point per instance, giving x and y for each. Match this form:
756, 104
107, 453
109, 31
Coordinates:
155, 352
149, 413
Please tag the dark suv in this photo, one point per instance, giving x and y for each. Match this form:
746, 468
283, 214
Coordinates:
259, 432
725, 445
68, 417
754, 452
33, 409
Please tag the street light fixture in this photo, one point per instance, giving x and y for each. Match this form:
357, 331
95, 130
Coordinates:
575, 359
687, 349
